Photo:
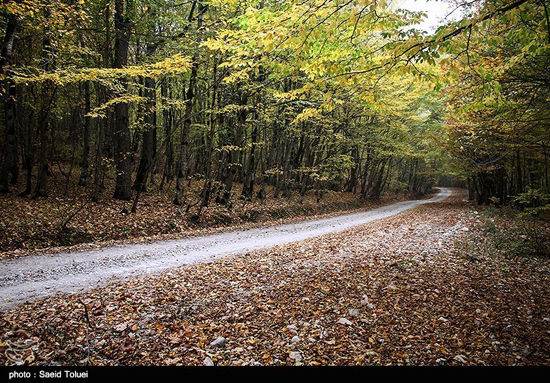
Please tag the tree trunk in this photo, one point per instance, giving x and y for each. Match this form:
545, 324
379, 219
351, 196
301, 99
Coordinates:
147, 148
41, 187
233, 156
48, 96
207, 190
9, 162
250, 176
84, 163
121, 134
167, 117
182, 165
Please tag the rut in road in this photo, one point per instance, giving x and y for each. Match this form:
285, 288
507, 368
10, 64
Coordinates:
38, 276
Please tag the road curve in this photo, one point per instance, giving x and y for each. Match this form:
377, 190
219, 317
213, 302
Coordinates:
36, 276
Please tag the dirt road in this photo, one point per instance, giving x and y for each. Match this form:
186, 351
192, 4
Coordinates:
38, 276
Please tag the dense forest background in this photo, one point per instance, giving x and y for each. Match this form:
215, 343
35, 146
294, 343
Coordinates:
220, 101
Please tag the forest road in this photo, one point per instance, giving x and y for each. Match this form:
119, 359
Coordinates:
36, 276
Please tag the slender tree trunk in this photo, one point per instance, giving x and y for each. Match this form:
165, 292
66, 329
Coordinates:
98, 161
48, 96
182, 164
250, 176
104, 126
207, 189
28, 158
9, 160
123, 160
84, 162
519, 176
167, 117
233, 156
41, 187
148, 141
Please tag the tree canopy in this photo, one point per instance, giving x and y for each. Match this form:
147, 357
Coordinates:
300, 96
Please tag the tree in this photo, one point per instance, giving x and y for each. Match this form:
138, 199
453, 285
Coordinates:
121, 132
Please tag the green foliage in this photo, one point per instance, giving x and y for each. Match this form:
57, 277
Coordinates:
535, 205
498, 106
533, 201
334, 92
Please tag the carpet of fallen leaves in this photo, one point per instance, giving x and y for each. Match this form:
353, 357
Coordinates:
401, 291
28, 225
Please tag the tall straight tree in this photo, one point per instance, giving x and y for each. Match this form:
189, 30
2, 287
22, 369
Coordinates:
182, 166
84, 161
123, 162
9, 162
149, 132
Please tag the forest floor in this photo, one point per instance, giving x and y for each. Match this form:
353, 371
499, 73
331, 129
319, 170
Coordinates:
443, 283
30, 226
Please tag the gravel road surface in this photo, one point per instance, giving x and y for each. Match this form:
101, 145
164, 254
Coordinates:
36, 276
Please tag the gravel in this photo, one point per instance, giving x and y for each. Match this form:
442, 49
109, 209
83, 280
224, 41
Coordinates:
37, 276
